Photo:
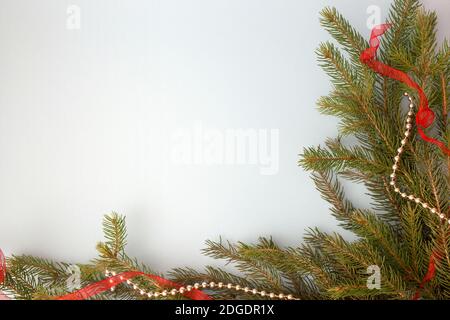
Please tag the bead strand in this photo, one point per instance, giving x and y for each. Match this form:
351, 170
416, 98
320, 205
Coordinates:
393, 182
203, 285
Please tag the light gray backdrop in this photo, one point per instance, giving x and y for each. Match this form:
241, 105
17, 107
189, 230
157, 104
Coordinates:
86, 118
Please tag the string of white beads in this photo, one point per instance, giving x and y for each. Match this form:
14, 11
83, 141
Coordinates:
205, 285
395, 167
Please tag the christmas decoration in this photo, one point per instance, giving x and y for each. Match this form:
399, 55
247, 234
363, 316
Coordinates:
435, 256
212, 285
397, 160
114, 279
404, 234
425, 116
112, 254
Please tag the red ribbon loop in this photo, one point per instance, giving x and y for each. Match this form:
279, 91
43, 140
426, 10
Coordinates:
425, 116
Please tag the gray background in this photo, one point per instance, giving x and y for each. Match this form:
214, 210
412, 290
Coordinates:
86, 115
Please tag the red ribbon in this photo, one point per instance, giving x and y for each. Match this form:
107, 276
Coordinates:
425, 116
2, 273
108, 283
2, 267
430, 273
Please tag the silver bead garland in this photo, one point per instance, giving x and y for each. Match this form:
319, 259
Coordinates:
203, 285
395, 167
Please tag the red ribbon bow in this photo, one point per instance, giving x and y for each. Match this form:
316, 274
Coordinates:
425, 116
